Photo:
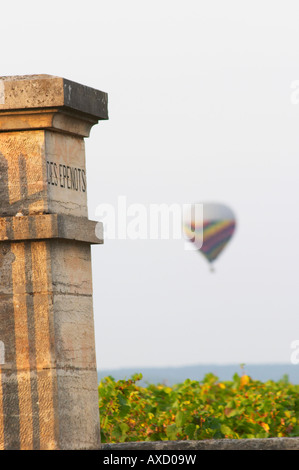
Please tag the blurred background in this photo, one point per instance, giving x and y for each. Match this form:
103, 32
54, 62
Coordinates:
202, 107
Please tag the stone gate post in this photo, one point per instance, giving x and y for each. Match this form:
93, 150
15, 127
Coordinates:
48, 375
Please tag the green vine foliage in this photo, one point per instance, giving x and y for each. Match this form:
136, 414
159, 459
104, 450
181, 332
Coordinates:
236, 409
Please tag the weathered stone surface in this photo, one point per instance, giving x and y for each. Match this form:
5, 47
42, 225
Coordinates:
74, 332
66, 174
50, 226
52, 266
46, 102
71, 268
48, 375
23, 183
56, 120
275, 443
47, 91
34, 423
78, 409
42, 172
46, 324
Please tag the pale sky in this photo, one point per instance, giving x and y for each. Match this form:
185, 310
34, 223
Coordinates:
200, 109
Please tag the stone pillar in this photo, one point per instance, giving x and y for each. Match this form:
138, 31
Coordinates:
48, 375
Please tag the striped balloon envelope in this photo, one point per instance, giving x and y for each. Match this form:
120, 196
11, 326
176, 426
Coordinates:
212, 231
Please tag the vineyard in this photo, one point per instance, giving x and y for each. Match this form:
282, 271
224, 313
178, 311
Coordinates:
236, 409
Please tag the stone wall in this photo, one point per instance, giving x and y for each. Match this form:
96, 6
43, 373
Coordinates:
275, 443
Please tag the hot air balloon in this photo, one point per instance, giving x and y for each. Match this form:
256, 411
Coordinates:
212, 231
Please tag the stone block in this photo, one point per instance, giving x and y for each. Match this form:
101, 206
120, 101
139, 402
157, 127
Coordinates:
48, 373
